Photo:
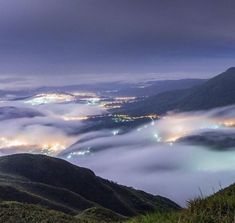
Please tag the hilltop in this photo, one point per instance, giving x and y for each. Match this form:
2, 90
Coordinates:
56, 184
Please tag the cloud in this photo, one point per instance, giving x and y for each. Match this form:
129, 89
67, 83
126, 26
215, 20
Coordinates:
56, 38
166, 166
157, 157
41, 128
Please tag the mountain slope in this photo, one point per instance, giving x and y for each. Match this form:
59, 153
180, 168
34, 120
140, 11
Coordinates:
14, 212
59, 185
152, 88
216, 208
216, 92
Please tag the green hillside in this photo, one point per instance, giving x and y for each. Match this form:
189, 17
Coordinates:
58, 185
14, 212
27, 198
218, 208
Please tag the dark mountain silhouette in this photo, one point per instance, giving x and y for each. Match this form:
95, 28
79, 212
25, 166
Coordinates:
151, 88
59, 185
216, 92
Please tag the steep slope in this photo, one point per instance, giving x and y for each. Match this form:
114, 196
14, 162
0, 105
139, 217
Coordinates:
55, 183
216, 208
216, 92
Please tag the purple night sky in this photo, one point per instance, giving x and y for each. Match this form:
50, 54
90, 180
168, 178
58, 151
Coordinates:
92, 39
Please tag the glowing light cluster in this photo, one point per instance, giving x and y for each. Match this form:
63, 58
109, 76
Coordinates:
117, 102
173, 127
52, 148
6, 142
75, 118
93, 101
127, 118
228, 122
125, 99
84, 94
115, 132
40, 99
47, 148
79, 153
110, 105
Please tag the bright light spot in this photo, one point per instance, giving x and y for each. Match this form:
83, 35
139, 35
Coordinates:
50, 98
79, 153
157, 137
52, 148
6, 143
84, 94
93, 101
115, 132
47, 148
125, 99
75, 118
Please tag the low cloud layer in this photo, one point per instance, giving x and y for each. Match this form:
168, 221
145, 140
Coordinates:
177, 156
153, 158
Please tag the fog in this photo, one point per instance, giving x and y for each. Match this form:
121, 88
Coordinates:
153, 158
163, 157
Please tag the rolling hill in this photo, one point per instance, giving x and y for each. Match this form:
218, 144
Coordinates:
58, 185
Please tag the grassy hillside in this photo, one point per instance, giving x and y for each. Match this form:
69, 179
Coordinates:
59, 185
218, 208
14, 212
100, 215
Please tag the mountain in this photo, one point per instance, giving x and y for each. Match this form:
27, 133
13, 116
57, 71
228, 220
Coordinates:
59, 185
110, 89
216, 92
152, 88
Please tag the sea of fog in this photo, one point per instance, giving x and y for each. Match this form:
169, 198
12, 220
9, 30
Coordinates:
180, 156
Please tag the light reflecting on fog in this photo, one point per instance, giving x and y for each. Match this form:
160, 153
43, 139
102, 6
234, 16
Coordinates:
149, 156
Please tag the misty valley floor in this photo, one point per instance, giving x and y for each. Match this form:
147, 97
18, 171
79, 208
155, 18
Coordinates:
178, 155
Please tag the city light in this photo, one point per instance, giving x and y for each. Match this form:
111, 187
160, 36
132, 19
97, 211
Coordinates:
40, 99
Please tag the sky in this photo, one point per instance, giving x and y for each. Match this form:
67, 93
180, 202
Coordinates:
98, 39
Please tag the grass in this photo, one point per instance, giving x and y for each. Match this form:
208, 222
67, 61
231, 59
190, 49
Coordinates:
98, 215
61, 186
218, 208
14, 212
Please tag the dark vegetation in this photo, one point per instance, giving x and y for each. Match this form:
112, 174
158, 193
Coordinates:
216, 92
58, 185
37, 188
218, 208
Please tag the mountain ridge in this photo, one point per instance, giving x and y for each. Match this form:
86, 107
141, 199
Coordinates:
59, 185
216, 92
